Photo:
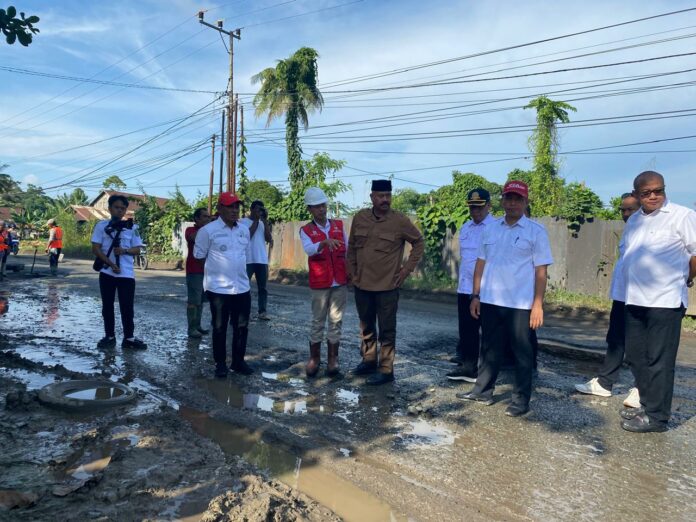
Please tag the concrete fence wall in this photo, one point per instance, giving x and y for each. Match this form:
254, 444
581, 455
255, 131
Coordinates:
582, 264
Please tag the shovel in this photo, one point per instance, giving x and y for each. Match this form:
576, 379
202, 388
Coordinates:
34, 261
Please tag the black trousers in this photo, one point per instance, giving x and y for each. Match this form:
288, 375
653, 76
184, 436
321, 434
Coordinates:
53, 258
652, 341
378, 308
501, 327
469, 338
230, 309
616, 335
125, 287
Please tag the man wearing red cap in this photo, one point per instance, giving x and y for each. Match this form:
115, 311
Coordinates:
223, 244
508, 296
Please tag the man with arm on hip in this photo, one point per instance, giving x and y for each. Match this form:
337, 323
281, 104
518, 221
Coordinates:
375, 252
508, 296
257, 255
479, 201
659, 244
223, 245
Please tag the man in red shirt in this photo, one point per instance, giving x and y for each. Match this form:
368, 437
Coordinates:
194, 276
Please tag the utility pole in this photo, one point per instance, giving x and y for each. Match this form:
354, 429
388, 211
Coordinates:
222, 147
230, 95
212, 175
233, 176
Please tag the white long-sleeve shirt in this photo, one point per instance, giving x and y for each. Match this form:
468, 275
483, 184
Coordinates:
312, 248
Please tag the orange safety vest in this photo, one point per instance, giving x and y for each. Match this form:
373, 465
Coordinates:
58, 241
3, 238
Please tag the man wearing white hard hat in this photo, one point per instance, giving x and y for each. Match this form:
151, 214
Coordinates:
324, 241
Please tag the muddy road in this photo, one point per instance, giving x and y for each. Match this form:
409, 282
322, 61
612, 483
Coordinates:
276, 446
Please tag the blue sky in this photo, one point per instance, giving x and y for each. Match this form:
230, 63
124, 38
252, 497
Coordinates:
161, 44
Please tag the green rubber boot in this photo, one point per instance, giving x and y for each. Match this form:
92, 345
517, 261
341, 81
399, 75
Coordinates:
193, 322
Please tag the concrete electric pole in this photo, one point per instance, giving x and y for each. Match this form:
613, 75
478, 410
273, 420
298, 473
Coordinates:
231, 106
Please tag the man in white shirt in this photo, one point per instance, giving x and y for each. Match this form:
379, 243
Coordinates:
223, 244
609, 373
325, 242
115, 242
659, 243
479, 202
257, 255
508, 296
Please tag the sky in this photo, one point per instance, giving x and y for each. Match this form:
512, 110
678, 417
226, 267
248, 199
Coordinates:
63, 133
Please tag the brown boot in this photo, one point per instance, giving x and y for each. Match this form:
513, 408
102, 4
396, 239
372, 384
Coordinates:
314, 359
332, 366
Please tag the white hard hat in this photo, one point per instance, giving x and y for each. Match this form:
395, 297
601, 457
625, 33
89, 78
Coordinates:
315, 196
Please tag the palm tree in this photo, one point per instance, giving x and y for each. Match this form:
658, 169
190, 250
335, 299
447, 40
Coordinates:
290, 88
546, 186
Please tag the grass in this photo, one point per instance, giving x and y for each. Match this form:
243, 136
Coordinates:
427, 284
561, 297
689, 324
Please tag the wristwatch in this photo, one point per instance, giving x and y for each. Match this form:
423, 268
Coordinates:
689, 283
476, 296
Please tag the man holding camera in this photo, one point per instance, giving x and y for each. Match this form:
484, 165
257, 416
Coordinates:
257, 256
115, 242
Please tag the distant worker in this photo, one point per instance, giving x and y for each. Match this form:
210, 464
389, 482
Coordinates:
508, 296
257, 255
223, 245
659, 245
5, 242
325, 242
54, 246
479, 202
375, 253
115, 243
194, 276
608, 374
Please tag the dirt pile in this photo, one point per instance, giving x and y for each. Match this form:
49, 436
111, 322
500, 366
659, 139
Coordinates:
269, 501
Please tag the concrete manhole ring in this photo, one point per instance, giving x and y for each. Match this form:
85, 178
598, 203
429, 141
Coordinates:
84, 395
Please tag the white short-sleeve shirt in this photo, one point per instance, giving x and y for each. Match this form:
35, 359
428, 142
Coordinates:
256, 251
128, 238
658, 247
469, 242
224, 250
511, 254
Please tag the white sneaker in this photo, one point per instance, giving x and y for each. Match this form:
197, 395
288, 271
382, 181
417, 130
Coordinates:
632, 400
592, 387
263, 316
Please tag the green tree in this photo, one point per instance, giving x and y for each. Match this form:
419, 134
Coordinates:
580, 204
17, 29
290, 89
545, 184
114, 183
408, 200
612, 211
242, 179
157, 224
10, 190
448, 211
317, 170
262, 190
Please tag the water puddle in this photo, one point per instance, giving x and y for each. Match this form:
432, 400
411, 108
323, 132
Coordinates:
422, 434
50, 355
344, 498
100, 393
32, 380
87, 463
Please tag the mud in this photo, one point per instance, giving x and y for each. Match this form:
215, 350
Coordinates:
276, 446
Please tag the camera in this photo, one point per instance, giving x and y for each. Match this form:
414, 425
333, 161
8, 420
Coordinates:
263, 213
119, 225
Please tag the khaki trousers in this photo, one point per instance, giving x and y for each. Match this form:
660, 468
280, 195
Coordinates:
327, 302
378, 309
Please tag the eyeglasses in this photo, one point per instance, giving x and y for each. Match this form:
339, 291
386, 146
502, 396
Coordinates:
646, 193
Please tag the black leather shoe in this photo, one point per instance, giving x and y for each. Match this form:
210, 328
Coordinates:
203, 331
220, 370
106, 342
456, 360
630, 413
135, 344
242, 368
515, 411
380, 378
471, 396
461, 374
365, 368
641, 423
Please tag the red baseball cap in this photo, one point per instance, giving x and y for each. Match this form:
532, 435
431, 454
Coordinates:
227, 199
516, 187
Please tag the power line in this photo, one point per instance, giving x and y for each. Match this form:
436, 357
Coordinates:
302, 14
